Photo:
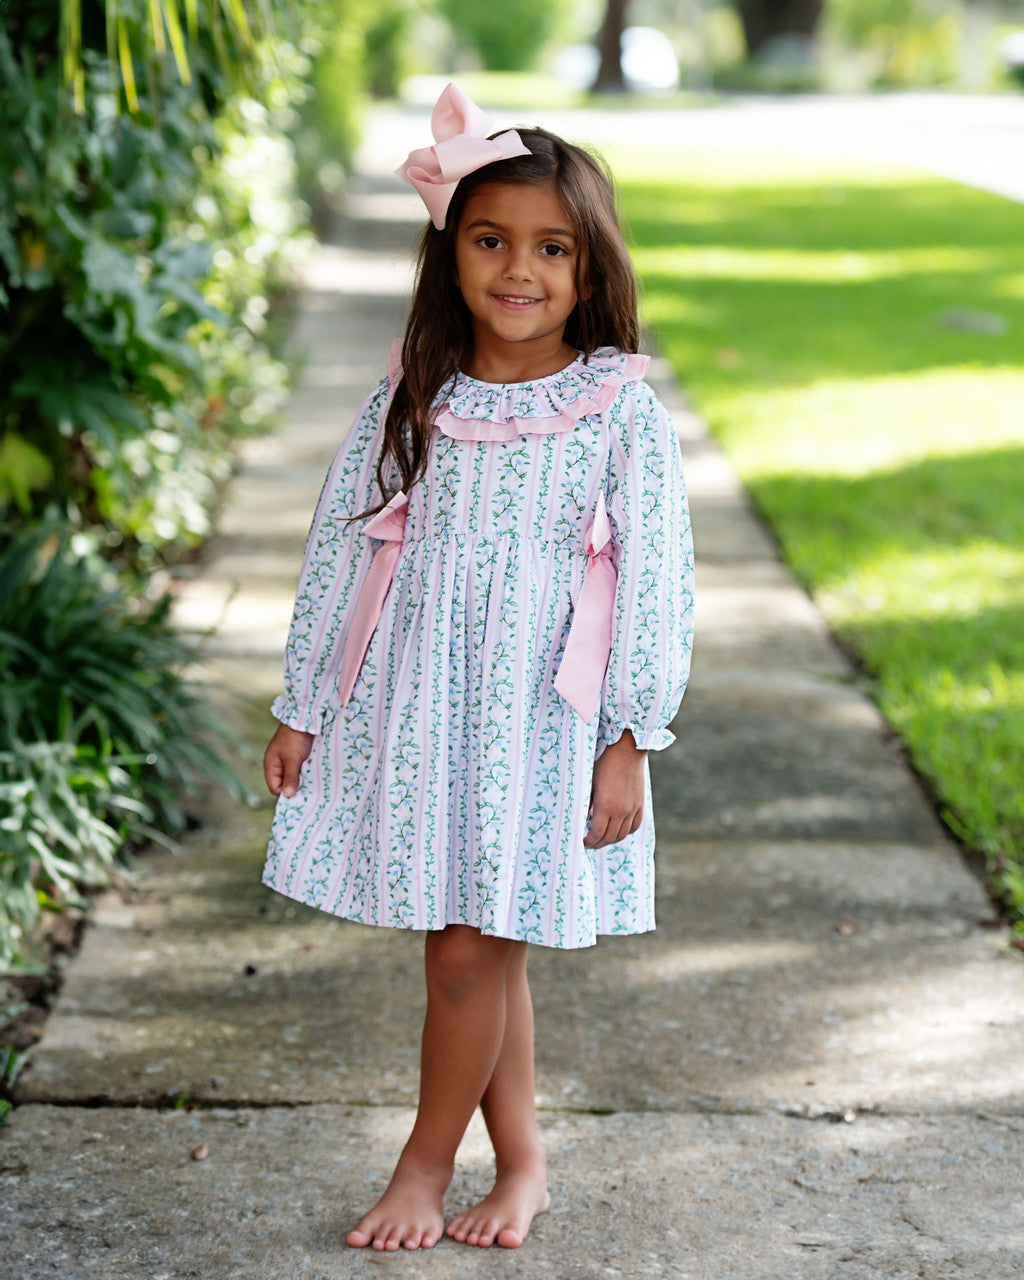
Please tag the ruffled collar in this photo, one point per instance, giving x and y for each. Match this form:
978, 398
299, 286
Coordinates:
471, 410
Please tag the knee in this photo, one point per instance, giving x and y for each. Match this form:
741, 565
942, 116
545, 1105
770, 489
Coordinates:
461, 961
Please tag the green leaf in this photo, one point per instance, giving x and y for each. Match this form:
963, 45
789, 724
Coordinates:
23, 470
94, 407
127, 224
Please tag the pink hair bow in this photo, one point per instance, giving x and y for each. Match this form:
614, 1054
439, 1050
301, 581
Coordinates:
461, 146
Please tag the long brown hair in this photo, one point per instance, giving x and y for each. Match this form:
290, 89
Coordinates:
439, 334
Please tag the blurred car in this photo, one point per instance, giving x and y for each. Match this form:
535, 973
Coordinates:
1012, 49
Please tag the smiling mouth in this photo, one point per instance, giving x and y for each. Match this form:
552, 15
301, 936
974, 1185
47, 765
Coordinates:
515, 302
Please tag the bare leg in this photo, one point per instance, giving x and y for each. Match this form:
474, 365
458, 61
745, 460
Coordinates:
462, 1035
520, 1189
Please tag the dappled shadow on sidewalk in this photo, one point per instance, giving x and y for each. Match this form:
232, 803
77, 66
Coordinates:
796, 975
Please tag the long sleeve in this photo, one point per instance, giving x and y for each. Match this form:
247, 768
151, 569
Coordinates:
652, 627
334, 566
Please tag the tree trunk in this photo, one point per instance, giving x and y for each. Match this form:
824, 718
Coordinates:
764, 20
609, 44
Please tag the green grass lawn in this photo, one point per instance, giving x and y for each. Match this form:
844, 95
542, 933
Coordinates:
854, 335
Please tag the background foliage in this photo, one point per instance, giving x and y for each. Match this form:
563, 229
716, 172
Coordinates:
508, 36
100, 726
138, 259
147, 241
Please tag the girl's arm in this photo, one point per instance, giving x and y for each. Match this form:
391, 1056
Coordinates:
652, 627
336, 560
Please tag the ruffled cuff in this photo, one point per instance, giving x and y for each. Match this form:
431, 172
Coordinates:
307, 719
646, 739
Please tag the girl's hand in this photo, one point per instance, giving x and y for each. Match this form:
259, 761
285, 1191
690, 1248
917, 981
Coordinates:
283, 758
617, 793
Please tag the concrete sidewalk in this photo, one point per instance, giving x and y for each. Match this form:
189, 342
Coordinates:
811, 1070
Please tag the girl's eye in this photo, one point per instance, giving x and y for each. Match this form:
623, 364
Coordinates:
489, 242
554, 250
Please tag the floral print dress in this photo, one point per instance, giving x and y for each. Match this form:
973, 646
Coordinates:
449, 779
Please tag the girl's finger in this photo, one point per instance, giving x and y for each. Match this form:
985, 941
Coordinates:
272, 773
604, 829
595, 835
615, 829
290, 781
618, 831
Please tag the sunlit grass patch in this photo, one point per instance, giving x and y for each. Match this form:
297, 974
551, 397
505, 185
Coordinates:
854, 335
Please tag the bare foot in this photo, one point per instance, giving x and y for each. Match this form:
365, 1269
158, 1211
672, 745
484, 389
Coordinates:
504, 1216
409, 1213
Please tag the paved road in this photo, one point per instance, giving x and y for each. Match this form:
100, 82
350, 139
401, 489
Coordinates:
811, 1071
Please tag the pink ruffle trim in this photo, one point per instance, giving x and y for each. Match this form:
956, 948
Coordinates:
623, 368
632, 367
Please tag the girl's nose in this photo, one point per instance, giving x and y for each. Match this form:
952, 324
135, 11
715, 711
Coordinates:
517, 265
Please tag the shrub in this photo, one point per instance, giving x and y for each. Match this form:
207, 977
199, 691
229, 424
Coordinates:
139, 258
100, 727
59, 833
384, 38
507, 36
903, 42
143, 254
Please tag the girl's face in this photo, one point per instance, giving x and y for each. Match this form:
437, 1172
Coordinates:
515, 258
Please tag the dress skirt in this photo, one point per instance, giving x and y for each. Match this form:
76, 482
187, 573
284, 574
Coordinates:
450, 779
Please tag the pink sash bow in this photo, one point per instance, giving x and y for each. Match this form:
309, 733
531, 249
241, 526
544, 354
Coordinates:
389, 525
589, 643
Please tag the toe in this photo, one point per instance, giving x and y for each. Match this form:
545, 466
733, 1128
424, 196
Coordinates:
413, 1238
487, 1232
509, 1238
362, 1233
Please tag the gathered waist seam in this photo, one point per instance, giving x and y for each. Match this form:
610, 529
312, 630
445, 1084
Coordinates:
568, 546
587, 645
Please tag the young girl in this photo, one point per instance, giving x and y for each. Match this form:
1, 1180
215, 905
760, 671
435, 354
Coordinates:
492, 630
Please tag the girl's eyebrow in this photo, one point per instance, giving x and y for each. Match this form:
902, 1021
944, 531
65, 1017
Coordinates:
544, 231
